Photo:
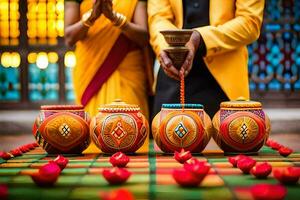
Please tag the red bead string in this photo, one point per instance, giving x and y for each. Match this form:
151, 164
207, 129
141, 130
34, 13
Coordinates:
182, 91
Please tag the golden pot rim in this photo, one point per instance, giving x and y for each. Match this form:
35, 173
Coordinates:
241, 103
119, 106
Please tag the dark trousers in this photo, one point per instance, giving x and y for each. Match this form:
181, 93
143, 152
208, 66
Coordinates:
200, 87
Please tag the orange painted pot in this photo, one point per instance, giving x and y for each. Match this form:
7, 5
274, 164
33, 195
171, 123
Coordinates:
62, 129
241, 126
119, 127
174, 129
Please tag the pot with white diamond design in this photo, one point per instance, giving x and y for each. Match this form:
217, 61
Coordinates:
119, 127
175, 128
62, 129
241, 126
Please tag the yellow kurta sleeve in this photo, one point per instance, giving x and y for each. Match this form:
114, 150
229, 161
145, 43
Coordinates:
243, 29
160, 17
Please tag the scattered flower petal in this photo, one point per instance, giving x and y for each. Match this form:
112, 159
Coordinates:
246, 164
119, 159
182, 156
262, 170
116, 176
268, 191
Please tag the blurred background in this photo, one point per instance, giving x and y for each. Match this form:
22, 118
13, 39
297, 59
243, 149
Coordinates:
36, 66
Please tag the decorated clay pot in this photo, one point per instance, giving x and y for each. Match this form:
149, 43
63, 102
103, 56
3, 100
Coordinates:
119, 127
241, 126
62, 129
175, 128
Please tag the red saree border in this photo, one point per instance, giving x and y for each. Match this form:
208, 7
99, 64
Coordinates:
114, 58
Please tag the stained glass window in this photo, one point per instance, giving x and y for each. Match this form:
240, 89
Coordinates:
45, 21
274, 60
43, 76
9, 24
10, 76
70, 62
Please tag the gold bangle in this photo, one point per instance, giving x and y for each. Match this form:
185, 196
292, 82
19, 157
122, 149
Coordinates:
85, 19
119, 20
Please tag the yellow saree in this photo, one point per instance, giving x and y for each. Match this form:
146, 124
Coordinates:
128, 82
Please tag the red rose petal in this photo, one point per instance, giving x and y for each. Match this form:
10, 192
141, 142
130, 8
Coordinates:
30, 146
120, 194
262, 170
47, 174
5, 155
3, 191
233, 160
268, 191
119, 159
61, 161
43, 181
269, 142
246, 164
186, 178
35, 144
198, 168
50, 169
16, 152
288, 175
24, 149
182, 156
275, 146
285, 151
116, 175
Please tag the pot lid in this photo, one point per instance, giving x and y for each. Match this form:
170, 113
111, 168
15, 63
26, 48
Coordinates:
241, 102
179, 106
61, 107
119, 106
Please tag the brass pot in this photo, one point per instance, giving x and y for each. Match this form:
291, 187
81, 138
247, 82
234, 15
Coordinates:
241, 126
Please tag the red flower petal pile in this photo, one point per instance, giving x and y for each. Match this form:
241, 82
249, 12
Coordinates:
4, 155
18, 151
47, 174
116, 176
120, 194
119, 159
245, 164
282, 150
268, 191
288, 175
262, 170
185, 178
3, 192
285, 151
192, 173
233, 160
61, 161
198, 168
182, 156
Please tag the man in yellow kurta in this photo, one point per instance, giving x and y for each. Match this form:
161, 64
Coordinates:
222, 40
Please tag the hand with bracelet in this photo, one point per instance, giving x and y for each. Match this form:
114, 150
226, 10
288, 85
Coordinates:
166, 62
76, 27
89, 17
116, 18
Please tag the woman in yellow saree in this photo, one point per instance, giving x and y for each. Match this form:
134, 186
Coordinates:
109, 37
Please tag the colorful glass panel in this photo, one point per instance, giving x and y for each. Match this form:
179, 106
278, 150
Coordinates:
43, 76
10, 88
